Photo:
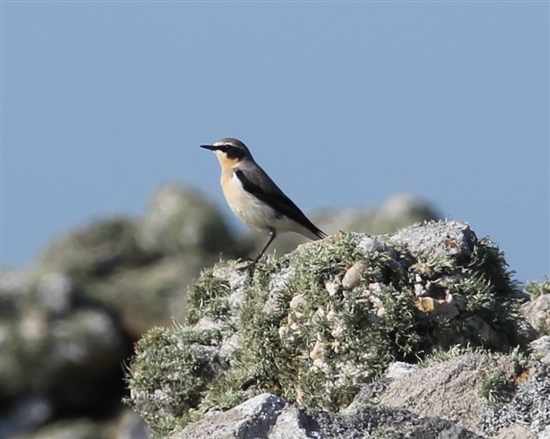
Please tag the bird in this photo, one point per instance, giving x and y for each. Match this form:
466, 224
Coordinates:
255, 198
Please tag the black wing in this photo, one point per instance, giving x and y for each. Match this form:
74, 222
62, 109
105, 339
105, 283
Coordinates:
280, 203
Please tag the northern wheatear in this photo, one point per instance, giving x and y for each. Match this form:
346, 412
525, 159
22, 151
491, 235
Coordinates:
255, 198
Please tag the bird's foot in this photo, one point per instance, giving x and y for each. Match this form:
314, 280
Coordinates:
246, 265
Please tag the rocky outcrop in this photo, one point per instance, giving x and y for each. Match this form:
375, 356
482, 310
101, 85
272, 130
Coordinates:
267, 416
317, 325
482, 392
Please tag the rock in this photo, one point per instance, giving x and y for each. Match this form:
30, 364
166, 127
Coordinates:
426, 304
400, 369
523, 392
55, 293
86, 350
127, 425
435, 309
79, 428
333, 286
297, 302
372, 244
396, 212
459, 302
446, 311
458, 376
25, 416
146, 296
95, 250
537, 313
515, 432
277, 285
530, 407
251, 419
541, 348
545, 434
70, 356
16, 290
483, 329
452, 239
317, 351
267, 416
180, 221
402, 210
352, 277
130, 425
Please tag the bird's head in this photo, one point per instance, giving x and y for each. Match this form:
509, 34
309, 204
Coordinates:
229, 151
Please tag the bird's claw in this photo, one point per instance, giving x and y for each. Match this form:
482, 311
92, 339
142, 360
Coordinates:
246, 265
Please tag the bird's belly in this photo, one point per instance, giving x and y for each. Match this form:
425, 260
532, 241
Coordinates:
254, 213
251, 211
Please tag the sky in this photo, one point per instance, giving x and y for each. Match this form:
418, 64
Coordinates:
343, 103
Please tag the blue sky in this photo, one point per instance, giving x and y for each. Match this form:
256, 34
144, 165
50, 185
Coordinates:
343, 103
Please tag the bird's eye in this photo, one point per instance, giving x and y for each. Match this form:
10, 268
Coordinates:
224, 148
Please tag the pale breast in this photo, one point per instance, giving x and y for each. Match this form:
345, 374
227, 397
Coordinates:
249, 209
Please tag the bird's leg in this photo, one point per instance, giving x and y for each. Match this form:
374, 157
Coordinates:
272, 236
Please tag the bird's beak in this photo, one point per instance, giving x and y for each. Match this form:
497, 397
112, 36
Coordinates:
210, 147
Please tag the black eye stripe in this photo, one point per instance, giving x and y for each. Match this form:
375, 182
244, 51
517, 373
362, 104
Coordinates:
233, 152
